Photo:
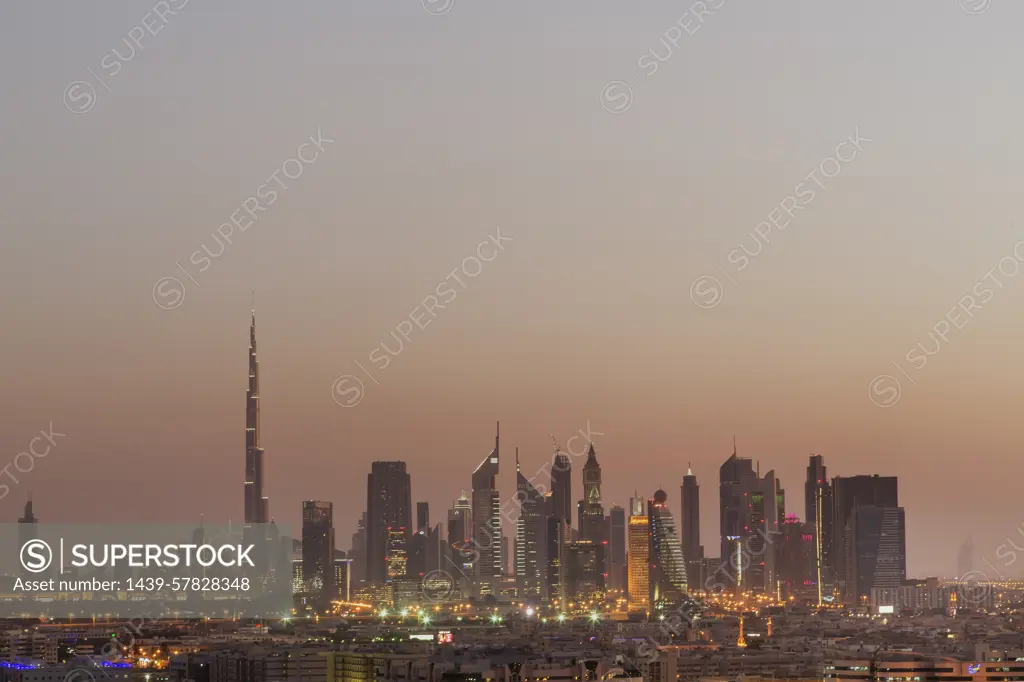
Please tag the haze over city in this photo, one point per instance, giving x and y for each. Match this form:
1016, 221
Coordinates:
435, 132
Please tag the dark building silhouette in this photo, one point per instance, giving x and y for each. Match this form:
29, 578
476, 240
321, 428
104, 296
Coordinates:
818, 511
736, 480
486, 524
422, 516
388, 505
584, 576
617, 566
848, 493
318, 555
561, 487
592, 525
693, 551
876, 551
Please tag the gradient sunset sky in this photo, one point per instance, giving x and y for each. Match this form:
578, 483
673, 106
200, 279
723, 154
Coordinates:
449, 126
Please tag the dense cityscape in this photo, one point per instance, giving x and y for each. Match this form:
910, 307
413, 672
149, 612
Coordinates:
771, 250
585, 594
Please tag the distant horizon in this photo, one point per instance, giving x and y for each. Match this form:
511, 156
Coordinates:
797, 224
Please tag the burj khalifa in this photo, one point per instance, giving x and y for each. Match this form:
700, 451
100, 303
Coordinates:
257, 506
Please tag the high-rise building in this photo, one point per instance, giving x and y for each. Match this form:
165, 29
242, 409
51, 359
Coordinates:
460, 555
637, 538
585, 580
736, 480
876, 551
762, 526
398, 553
28, 529
488, 568
557, 547
592, 515
422, 516
343, 578
358, 552
965, 558
818, 513
388, 506
666, 567
797, 561
617, 572
257, 506
693, 551
847, 494
531, 527
561, 486
318, 570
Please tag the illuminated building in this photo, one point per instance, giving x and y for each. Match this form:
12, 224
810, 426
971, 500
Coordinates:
530, 532
585, 580
556, 557
398, 554
318, 552
388, 506
666, 567
257, 506
638, 543
592, 525
488, 569
693, 551
818, 511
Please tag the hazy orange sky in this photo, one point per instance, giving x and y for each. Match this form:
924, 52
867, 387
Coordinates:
448, 127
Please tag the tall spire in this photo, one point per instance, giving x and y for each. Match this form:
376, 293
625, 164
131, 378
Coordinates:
256, 504
689, 469
734, 445
517, 460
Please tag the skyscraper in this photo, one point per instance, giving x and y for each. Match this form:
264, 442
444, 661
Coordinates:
487, 523
693, 551
556, 560
318, 570
965, 557
666, 568
638, 532
876, 551
561, 487
736, 480
617, 578
818, 513
257, 506
847, 494
388, 506
422, 516
531, 527
592, 515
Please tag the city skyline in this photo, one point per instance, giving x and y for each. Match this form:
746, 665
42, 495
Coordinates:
493, 120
